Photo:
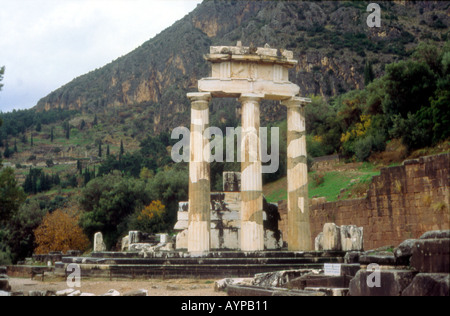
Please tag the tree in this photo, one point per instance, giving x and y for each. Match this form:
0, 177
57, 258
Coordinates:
52, 136
7, 153
122, 150
11, 194
100, 150
108, 202
150, 219
60, 231
368, 73
20, 229
409, 86
108, 153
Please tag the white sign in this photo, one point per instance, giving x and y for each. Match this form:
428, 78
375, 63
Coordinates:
332, 269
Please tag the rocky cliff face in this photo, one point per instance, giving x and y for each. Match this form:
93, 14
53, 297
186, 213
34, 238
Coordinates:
331, 40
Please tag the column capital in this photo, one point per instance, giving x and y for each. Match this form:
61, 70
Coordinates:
251, 97
199, 96
296, 102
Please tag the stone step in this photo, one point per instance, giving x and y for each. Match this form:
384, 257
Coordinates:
180, 271
220, 254
201, 261
247, 290
329, 291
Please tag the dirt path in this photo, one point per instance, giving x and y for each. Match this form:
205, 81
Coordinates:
155, 287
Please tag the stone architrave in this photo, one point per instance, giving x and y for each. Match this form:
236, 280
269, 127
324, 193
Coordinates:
199, 236
99, 245
252, 228
299, 231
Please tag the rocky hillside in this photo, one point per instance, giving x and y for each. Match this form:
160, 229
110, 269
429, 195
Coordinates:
331, 40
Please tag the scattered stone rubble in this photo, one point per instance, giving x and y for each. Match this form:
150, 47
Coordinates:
418, 267
340, 238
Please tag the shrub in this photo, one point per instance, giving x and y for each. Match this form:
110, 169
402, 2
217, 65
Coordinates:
59, 231
150, 219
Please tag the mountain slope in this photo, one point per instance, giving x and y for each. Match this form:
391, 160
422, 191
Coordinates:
331, 40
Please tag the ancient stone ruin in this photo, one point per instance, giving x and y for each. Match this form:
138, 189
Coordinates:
225, 218
340, 238
251, 75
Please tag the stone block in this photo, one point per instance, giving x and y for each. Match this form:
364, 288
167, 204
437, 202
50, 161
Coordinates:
318, 242
65, 292
182, 240
431, 255
4, 284
403, 252
350, 269
436, 234
272, 241
352, 238
231, 182
380, 259
136, 293
391, 282
3, 270
352, 257
331, 237
429, 284
280, 278
99, 245
112, 293
337, 292
222, 285
125, 244
134, 237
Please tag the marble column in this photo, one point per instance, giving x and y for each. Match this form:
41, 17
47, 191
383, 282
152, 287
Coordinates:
252, 230
299, 231
199, 237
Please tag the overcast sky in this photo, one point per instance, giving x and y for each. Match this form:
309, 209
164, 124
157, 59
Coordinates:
44, 44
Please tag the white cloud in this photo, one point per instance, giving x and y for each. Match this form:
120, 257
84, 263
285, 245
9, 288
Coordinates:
46, 43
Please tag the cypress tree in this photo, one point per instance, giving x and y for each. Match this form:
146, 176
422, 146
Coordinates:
368, 73
7, 152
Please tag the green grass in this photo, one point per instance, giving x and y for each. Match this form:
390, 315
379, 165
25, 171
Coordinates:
334, 182
331, 188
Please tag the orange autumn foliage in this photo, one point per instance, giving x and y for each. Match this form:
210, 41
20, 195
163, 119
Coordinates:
60, 231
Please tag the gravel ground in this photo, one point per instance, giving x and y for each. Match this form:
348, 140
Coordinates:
155, 287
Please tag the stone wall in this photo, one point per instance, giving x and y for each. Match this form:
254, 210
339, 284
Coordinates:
402, 203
